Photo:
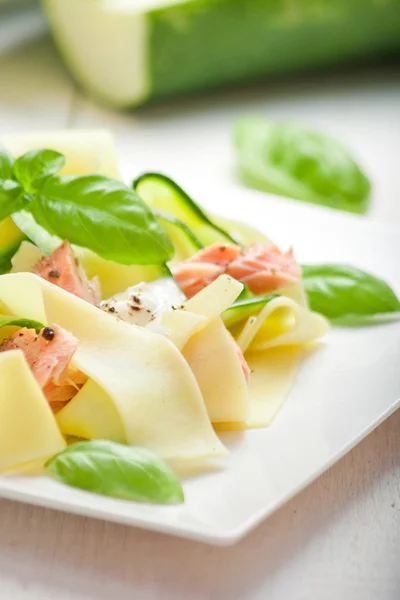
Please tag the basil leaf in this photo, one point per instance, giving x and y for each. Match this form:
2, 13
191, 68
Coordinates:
6, 165
290, 160
103, 215
366, 320
112, 469
349, 296
7, 321
33, 167
178, 227
12, 198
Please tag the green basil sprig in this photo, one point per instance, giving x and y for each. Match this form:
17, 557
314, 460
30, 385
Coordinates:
92, 211
349, 296
103, 215
31, 168
291, 160
111, 469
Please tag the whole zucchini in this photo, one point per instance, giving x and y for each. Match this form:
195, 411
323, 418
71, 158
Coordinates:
130, 51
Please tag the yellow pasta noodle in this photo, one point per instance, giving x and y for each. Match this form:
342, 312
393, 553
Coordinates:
28, 429
145, 377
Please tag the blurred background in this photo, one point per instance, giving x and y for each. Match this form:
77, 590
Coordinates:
170, 79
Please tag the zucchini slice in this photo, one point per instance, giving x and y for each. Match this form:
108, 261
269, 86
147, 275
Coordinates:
244, 308
162, 194
175, 207
186, 243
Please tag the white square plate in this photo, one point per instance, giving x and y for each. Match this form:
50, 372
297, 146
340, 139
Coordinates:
341, 393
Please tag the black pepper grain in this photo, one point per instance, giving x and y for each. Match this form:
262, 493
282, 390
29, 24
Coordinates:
54, 273
48, 333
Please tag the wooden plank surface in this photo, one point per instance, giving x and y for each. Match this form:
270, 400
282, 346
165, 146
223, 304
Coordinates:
340, 538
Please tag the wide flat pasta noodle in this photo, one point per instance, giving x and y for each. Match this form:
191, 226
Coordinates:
146, 378
215, 298
200, 310
273, 373
214, 360
26, 258
91, 415
274, 338
273, 343
28, 430
200, 334
180, 325
281, 322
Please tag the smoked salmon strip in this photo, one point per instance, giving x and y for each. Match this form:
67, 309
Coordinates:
48, 355
192, 277
203, 268
262, 267
217, 254
65, 271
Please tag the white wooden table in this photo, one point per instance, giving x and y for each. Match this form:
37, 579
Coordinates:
340, 538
